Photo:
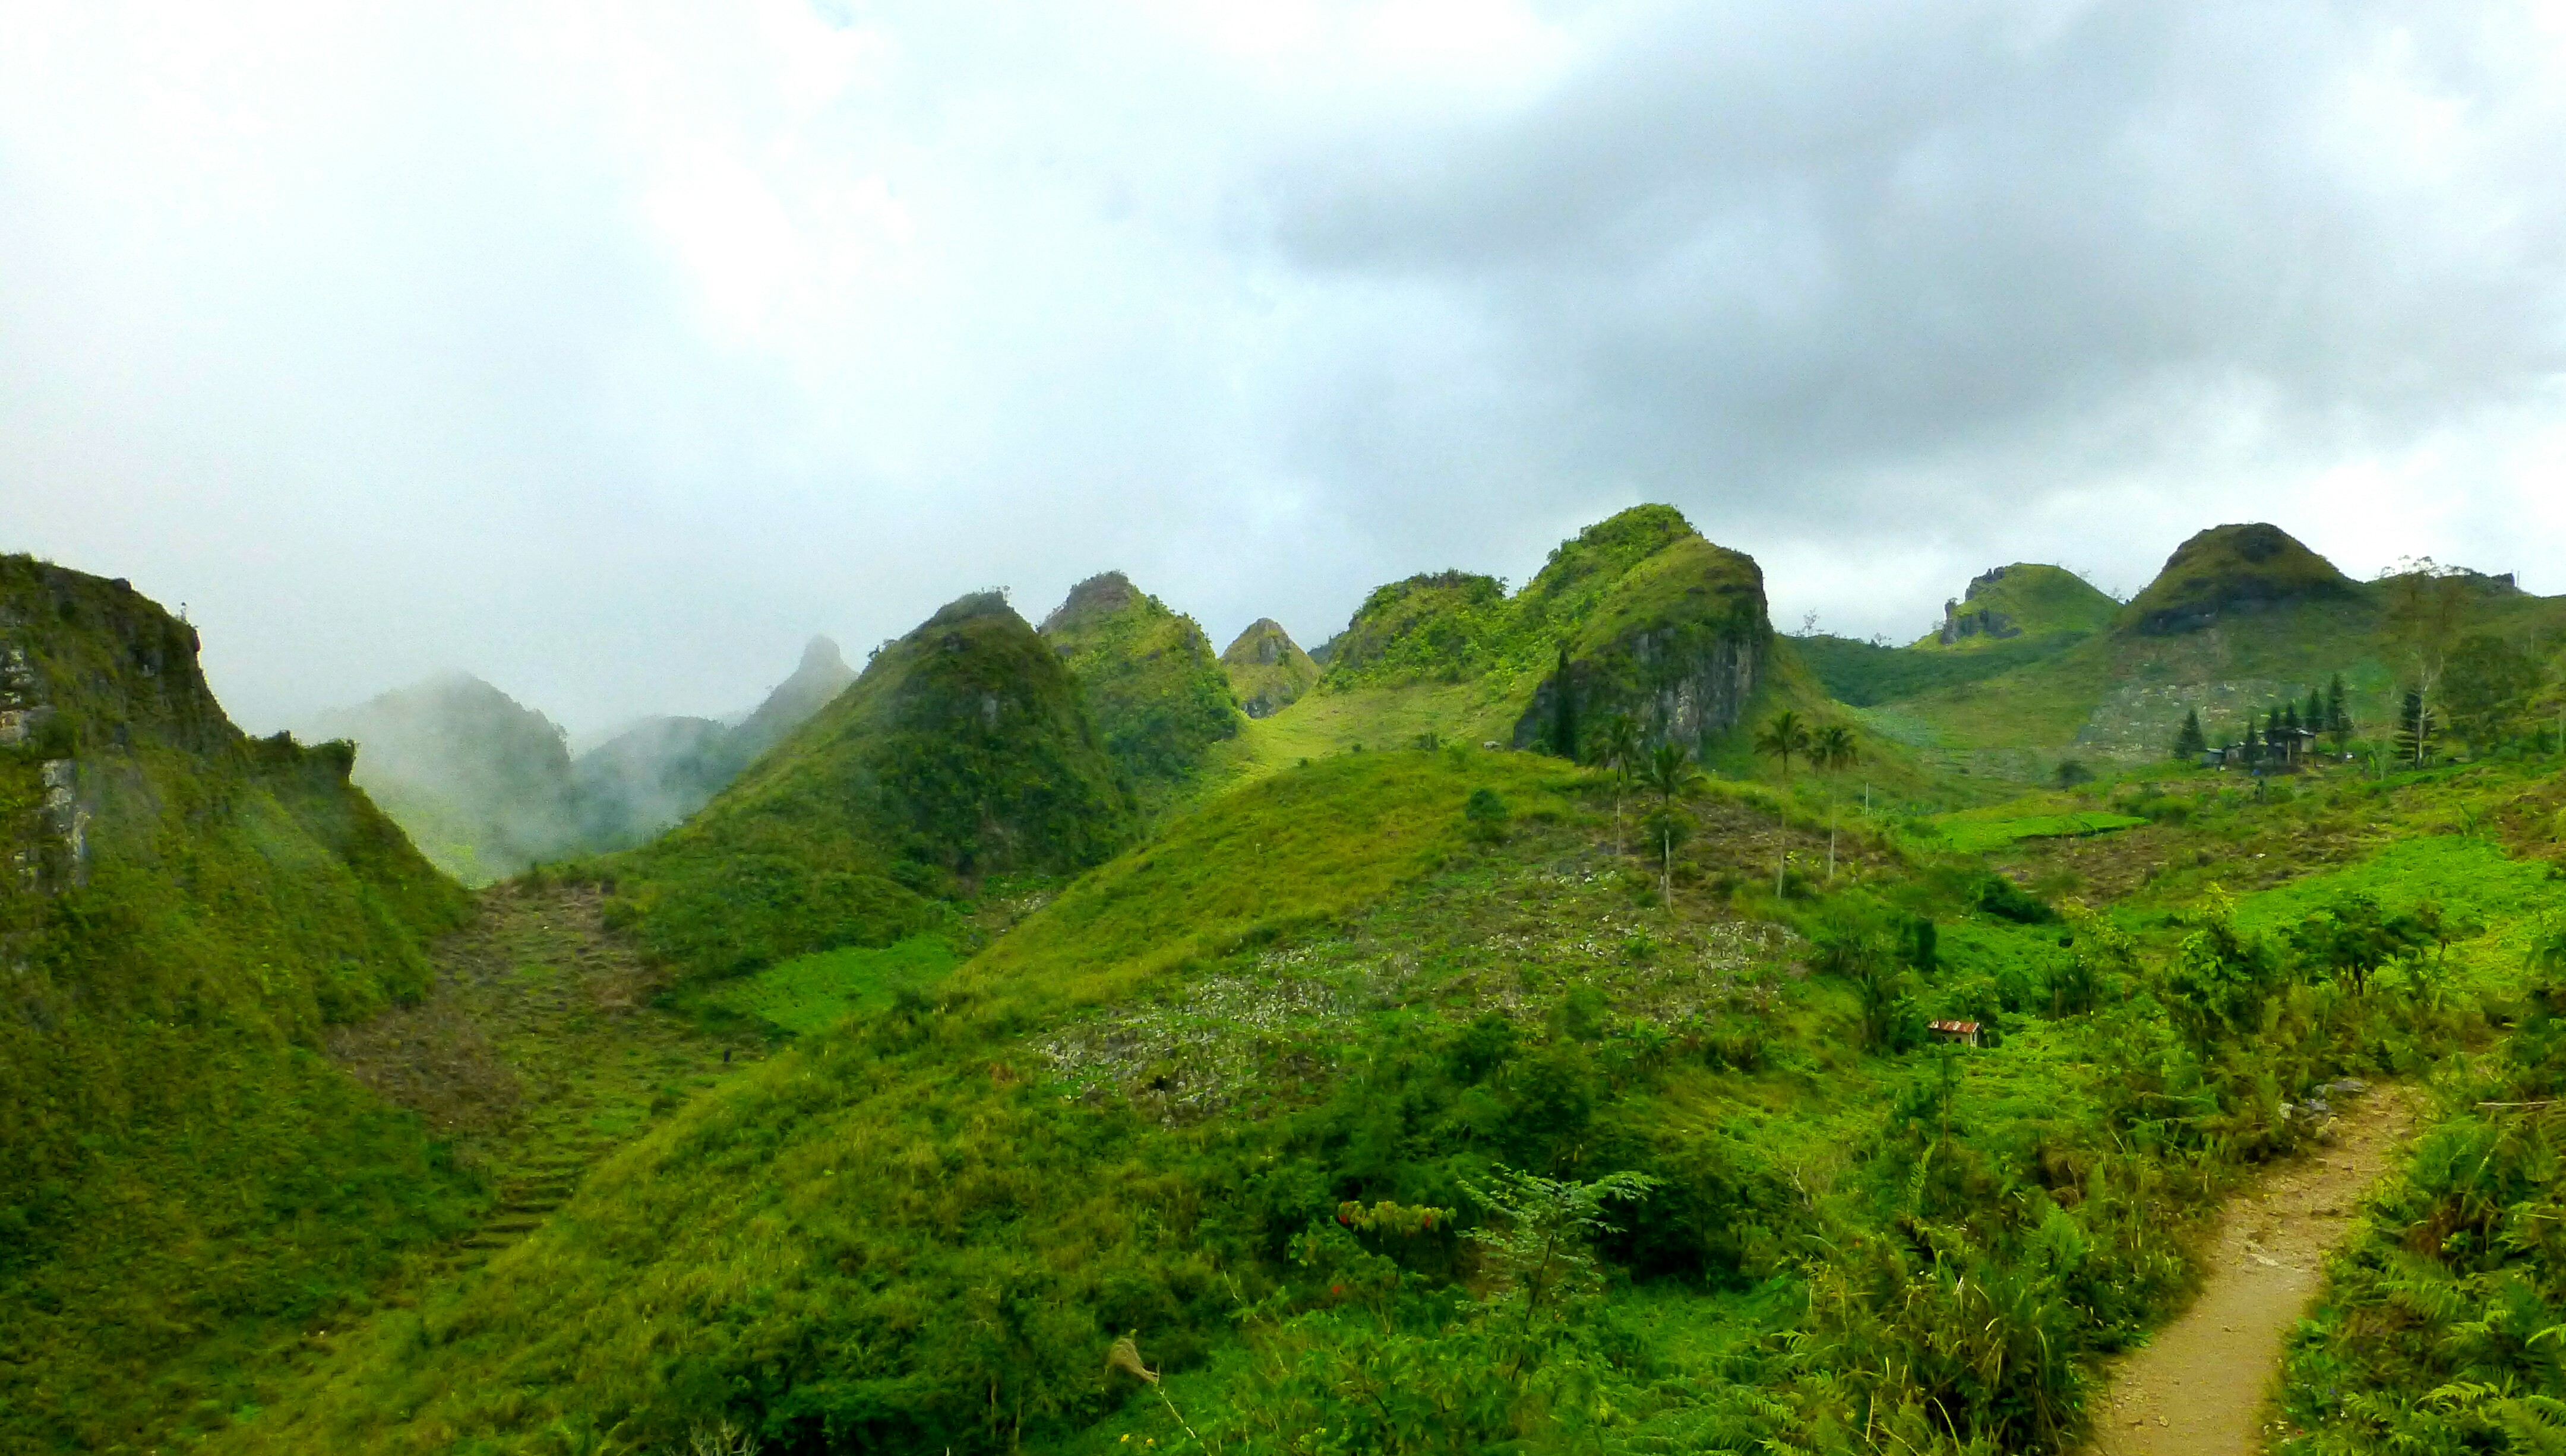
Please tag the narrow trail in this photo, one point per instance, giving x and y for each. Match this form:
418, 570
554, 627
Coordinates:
2199, 1388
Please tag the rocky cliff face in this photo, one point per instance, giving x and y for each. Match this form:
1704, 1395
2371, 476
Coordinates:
1679, 641
86, 667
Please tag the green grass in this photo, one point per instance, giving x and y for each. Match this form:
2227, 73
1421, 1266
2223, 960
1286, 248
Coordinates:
811, 993
1974, 833
1159, 699
1862, 674
1144, 1107
2034, 600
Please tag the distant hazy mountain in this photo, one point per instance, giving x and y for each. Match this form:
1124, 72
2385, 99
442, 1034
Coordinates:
486, 786
481, 782
657, 772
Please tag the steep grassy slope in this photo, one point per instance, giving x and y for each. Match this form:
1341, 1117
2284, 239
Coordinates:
963, 751
183, 914
1267, 670
1306, 1096
1867, 674
817, 679
2025, 600
1160, 698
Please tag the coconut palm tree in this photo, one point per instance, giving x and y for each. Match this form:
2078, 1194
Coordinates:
1782, 736
1669, 776
1616, 749
1831, 751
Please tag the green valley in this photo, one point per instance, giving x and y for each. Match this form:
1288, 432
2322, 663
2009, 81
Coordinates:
1567, 1018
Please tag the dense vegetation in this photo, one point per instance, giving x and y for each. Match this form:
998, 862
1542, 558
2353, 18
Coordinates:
1356, 1117
1267, 670
183, 1178
1867, 674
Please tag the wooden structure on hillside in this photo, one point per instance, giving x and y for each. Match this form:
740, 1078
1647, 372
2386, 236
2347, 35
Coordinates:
1965, 1033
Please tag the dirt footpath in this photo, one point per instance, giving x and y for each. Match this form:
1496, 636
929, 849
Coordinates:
2198, 1387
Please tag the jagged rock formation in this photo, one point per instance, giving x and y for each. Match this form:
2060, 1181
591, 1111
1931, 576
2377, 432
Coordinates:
2227, 571
1267, 670
1160, 698
822, 674
964, 749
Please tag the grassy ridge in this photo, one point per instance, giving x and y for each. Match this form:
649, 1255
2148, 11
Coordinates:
830, 1200
2026, 600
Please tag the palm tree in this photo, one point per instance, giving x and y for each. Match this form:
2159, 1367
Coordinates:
1831, 751
1784, 735
1616, 749
1671, 777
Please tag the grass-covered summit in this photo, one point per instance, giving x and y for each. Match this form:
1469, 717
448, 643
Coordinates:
2025, 600
2229, 570
1158, 696
183, 913
964, 750
1648, 619
1268, 669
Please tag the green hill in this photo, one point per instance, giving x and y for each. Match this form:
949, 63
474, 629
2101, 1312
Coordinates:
2020, 601
1648, 618
1267, 670
963, 751
2241, 621
184, 913
1160, 698
2229, 571
1352, 1113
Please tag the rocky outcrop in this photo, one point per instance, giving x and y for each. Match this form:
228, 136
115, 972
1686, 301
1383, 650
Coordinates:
1680, 644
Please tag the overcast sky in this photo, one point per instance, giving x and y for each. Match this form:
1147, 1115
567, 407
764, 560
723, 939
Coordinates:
609, 351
